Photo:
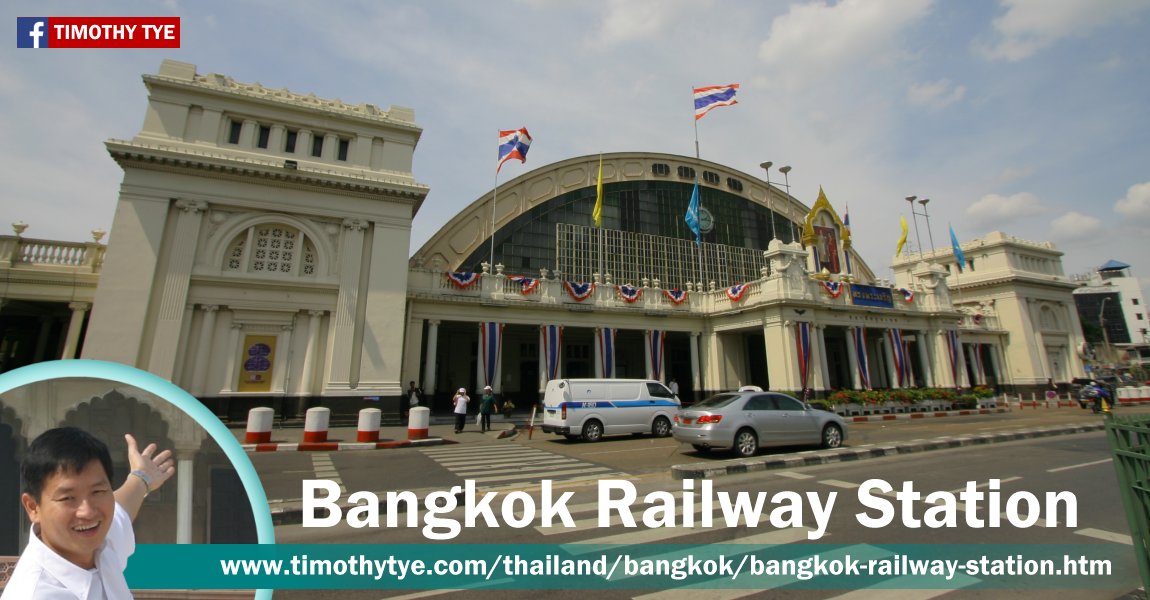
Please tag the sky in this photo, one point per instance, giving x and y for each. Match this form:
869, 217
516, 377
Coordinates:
1023, 116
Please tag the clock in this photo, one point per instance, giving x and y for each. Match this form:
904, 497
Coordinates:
706, 220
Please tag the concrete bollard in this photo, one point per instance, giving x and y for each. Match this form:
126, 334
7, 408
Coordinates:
368, 429
259, 429
418, 422
315, 424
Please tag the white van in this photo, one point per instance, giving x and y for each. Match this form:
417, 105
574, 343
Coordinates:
592, 408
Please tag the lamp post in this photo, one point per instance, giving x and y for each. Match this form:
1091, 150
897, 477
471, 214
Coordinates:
914, 215
1102, 322
767, 167
786, 171
926, 214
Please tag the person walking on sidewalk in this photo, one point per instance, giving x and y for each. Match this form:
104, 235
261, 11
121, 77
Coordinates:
414, 396
460, 401
486, 407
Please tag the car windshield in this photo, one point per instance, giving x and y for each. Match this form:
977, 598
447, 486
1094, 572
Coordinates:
716, 401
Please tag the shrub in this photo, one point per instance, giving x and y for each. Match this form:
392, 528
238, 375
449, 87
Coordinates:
844, 397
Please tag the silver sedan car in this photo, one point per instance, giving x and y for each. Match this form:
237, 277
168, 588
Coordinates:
747, 421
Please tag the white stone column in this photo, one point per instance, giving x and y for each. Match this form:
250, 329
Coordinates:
75, 324
178, 373
342, 352
696, 378
232, 357
309, 354
303, 142
204, 350
174, 283
429, 374
282, 362
852, 358
647, 354
963, 379
891, 367
248, 133
924, 359
185, 469
330, 146
824, 372
997, 364
276, 138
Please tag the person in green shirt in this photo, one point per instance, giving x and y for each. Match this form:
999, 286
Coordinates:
486, 407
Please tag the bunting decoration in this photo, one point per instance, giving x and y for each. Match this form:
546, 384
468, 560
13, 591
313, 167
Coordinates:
552, 347
526, 284
860, 353
579, 291
952, 350
834, 289
735, 292
463, 279
803, 344
630, 293
655, 344
898, 352
606, 340
490, 351
907, 295
676, 296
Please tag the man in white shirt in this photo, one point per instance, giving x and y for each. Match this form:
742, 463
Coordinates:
82, 532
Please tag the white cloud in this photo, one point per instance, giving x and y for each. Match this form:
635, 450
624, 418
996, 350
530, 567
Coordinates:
631, 20
1136, 204
1074, 226
995, 210
815, 40
1032, 25
936, 95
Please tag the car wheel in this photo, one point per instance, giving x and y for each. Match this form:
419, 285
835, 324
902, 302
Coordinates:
746, 443
701, 448
592, 431
832, 436
661, 427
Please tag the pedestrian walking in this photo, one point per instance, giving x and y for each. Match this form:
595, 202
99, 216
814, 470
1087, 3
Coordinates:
460, 402
486, 407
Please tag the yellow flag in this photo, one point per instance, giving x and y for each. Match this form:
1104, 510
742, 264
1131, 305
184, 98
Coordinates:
901, 240
597, 214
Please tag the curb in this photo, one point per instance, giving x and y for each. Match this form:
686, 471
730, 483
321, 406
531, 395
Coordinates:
926, 415
822, 457
334, 446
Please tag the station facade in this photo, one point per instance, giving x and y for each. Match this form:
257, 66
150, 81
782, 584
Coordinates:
258, 256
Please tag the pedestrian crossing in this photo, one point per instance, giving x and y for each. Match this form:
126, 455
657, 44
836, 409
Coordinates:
496, 466
587, 538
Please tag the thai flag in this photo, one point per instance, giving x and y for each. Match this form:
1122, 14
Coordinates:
513, 143
714, 96
656, 341
803, 345
860, 353
552, 348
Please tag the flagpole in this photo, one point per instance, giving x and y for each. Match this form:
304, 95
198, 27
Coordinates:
494, 197
698, 158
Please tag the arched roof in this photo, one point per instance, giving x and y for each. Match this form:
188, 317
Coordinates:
471, 228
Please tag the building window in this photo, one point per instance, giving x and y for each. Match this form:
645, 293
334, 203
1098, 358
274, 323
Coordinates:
344, 144
234, 129
317, 145
660, 169
734, 184
289, 141
265, 133
711, 177
1138, 316
686, 173
271, 249
1135, 300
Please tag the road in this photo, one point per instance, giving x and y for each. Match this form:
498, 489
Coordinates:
1078, 464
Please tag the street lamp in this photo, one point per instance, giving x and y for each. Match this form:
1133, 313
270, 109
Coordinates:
926, 214
1102, 322
914, 215
786, 171
767, 167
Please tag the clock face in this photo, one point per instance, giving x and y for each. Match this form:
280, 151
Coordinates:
706, 220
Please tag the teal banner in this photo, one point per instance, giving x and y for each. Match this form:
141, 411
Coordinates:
649, 566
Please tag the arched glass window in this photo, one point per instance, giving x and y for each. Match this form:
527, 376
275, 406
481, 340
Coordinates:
271, 249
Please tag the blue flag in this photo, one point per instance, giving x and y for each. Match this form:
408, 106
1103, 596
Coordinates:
958, 255
692, 216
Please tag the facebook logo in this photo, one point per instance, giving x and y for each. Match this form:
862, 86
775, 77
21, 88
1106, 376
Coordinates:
31, 32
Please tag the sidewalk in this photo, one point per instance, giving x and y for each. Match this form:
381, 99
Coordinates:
289, 437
